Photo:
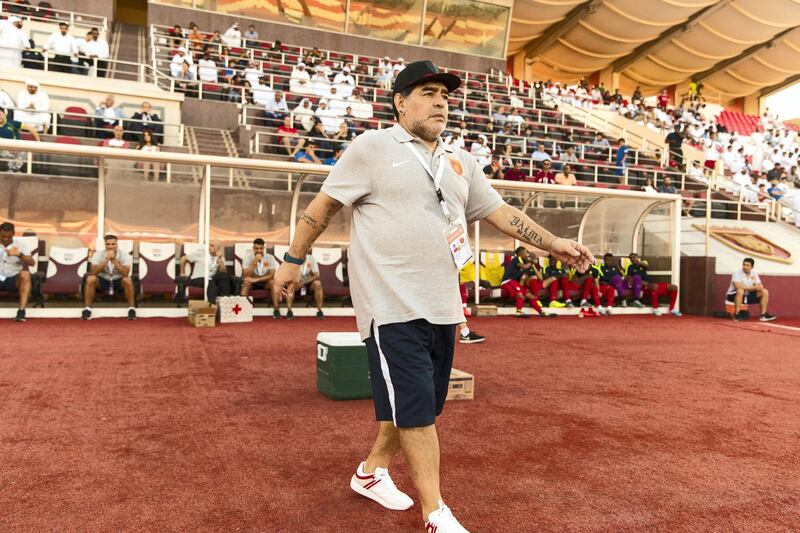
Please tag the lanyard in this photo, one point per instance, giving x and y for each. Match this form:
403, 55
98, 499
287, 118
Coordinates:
437, 179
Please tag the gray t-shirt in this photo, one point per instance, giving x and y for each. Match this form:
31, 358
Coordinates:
267, 263
400, 266
308, 269
747, 280
110, 272
199, 260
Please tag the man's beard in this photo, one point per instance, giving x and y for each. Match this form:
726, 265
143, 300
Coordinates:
426, 133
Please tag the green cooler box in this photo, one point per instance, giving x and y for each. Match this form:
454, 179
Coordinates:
342, 367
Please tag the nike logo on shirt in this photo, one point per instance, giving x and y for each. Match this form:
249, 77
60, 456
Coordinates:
395, 165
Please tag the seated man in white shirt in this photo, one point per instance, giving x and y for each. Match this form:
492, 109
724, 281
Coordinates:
300, 80
330, 121
207, 69
95, 53
65, 48
110, 273
233, 36
481, 151
276, 108
515, 118
540, 154
33, 106
258, 269
309, 281
344, 82
176, 65
219, 282
746, 288
253, 73
15, 258
398, 67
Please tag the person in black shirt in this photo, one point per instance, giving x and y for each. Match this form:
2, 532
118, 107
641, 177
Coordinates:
494, 170
637, 276
515, 282
611, 278
556, 277
675, 141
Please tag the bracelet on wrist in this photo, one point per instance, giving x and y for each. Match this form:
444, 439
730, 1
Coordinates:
293, 260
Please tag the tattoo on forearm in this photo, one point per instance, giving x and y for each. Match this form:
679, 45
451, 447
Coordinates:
311, 221
526, 232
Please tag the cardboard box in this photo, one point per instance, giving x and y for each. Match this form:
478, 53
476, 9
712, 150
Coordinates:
462, 386
484, 310
202, 314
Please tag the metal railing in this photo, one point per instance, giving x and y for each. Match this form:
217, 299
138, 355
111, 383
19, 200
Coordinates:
49, 14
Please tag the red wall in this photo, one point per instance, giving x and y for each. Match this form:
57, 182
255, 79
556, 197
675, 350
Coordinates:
784, 294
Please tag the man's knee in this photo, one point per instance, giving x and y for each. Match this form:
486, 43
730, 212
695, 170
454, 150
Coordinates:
316, 285
764, 293
91, 279
24, 276
127, 282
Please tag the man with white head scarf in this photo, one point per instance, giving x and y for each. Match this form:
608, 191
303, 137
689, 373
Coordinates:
300, 80
399, 66
320, 83
344, 83
33, 106
233, 36
328, 117
481, 151
305, 114
12, 41
183, 56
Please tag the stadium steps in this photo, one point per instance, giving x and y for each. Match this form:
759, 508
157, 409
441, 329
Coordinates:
127, 43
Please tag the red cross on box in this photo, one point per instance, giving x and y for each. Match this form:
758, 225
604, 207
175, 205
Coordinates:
236, 309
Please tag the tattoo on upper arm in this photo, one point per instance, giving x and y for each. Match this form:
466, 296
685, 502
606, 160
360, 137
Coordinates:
526, 232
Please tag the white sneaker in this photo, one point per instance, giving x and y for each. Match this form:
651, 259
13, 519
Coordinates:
380, 487
583, 303
657, 311
675, 312
609, 310
442, 521
601, 310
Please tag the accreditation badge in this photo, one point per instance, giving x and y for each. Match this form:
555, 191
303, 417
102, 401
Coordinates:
458, 242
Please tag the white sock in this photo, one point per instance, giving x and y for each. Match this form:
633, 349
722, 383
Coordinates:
87, 308
464, 331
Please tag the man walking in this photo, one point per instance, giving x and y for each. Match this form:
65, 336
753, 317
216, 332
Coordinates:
411, 192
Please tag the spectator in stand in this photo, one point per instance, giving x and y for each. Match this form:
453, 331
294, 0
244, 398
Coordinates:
258, 269
545, 174
398, 67
494, 170
110, 272
178, 59
253, 72
600, 143
516, 101
327, 117
344, 134
262, 92
384, 78
148, 143
276, 51
499, 116
345, 82
515, 119
95, 50
320, 83
65, 48
667, 187
762, 194
117, 140
251, 37
516, 172
185, 79
144, 119
217, 41
233, 36
636, 276
219, 281
540, 155
515, 283
289, 138
106, 116
621, 159
308, 154
195, 37
276, 108
10, 129
746, 288
649, 186
385, 63
12, 42
300, 80
711, 150
663, 100
481, 151
505, 154
33, 106
305, 114
337, 153
566, 177
568, 156
637, 96
207, 69
675, 142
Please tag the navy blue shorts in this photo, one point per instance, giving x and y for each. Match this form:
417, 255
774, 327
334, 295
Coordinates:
9, 284
104, 284
409, 367
750, 297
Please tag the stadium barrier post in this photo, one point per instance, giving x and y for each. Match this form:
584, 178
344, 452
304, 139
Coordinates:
101, 197
477, 261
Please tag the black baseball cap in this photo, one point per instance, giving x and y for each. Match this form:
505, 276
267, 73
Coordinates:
422, 71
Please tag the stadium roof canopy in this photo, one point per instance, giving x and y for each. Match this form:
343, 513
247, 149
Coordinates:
735, 47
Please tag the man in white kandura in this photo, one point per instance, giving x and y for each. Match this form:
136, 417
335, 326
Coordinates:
412, 196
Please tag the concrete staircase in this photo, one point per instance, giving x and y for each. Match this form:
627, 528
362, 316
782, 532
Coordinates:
127, 43
215, 142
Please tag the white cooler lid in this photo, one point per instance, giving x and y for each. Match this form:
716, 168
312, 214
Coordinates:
340, 338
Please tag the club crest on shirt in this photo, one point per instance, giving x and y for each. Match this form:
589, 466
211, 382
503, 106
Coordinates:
455, 164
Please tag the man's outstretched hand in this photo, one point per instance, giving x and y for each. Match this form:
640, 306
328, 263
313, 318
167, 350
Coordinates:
286, 279
572, 253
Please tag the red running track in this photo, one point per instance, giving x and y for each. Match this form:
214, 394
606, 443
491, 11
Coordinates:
621, 423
